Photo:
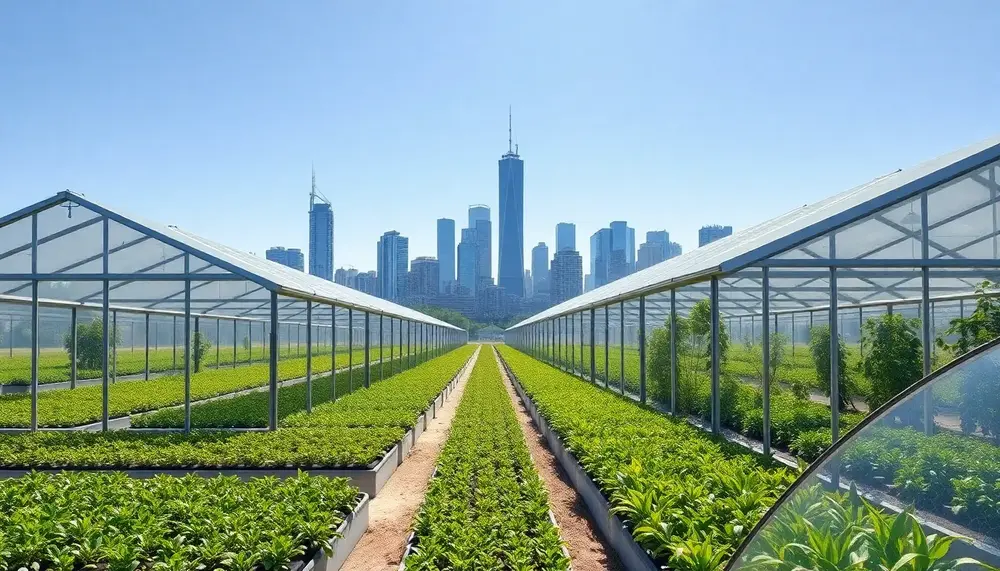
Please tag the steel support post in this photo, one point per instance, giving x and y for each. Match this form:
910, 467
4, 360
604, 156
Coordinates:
146, 351
583, 368
368, 345
34, 327
272, 381
766, 350
621, 347
925, 303
73, 346
333, 351
593, 360
350, 349
309, 356
607, 348
105, 336
381, 352
572, 343
716, 397
196, 350
173, 342
187, 347
234, 343
642, 349
673, 351
218, 342
834, 366
392, 346
114, 346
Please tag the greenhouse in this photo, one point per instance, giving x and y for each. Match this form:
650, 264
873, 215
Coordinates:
91, 298
786, 335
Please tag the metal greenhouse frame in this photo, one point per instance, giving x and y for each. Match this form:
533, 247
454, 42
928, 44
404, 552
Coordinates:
919, 240
70, 254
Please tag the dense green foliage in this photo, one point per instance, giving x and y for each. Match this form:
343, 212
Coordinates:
486, 507
893, 357
90, 344
93, 520
948, 473
819, 346
687, 498
980, 397
817, 529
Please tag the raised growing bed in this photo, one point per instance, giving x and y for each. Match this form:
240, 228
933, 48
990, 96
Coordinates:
369, 477
631, 554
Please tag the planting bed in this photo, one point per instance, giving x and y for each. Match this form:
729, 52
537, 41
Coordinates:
110, 521
486, 507
366, 449
688, 499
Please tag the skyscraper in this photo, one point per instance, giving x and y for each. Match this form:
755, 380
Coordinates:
565, 236
654, 249
540, 268
478, 212
600, 257
567, 275
291, 257
612, 253
424, 276
393, 265
445, 253
320, 234
479, 223
708, 234
467, 255
510, 273
529, 284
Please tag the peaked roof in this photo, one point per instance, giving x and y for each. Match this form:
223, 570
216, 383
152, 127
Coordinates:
757, 243
270, 275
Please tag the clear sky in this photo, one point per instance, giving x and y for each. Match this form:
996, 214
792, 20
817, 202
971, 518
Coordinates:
669, 115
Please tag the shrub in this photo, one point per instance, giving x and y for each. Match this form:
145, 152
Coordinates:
819, 346
893, 360
810, 444
658, 357
90, 344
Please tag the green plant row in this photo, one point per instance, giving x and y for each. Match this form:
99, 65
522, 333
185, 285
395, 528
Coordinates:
396, 402
251, 410
486, 507
687, 497
82, 405
54, 365
74, 520
350, 445
947, 473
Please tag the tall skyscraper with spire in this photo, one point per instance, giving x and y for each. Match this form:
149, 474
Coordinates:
510, 273
320, 234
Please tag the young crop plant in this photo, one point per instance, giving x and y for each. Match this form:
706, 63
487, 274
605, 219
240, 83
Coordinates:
486, 507
94, 520
687, 498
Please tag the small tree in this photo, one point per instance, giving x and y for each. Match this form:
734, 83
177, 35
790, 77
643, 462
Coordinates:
819, 346
246, 343
980, 398
893, 356
778, 363
658, 357
90, 344
200, 345
701, 327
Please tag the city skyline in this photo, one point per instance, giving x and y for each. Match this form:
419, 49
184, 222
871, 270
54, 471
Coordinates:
417, 141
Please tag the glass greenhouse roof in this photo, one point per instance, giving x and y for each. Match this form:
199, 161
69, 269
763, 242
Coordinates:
872, 234
148, 263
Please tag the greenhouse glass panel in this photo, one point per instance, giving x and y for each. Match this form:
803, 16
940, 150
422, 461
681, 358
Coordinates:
658, 355
631, 353
693, 344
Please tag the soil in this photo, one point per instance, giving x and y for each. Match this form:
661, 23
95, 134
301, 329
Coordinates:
587, 549
391, 513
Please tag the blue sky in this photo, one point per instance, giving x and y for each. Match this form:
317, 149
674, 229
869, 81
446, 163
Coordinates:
669, 115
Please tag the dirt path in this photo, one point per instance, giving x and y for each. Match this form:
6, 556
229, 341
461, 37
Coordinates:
586, 548
391, 512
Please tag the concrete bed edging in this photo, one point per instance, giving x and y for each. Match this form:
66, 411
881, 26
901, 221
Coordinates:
632, 556
350, 530
368, 480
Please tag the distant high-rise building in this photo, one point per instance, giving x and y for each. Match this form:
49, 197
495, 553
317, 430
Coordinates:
612, 253
529, 286
346, 277
510, 271
673, 250
565, 236
708, 234
566, 276
291, 257
320, 234
467, 268
478, 212
653, 250
588, 283
424, 276
540, 268
446, 253
484, 250
393, 265
367, 282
